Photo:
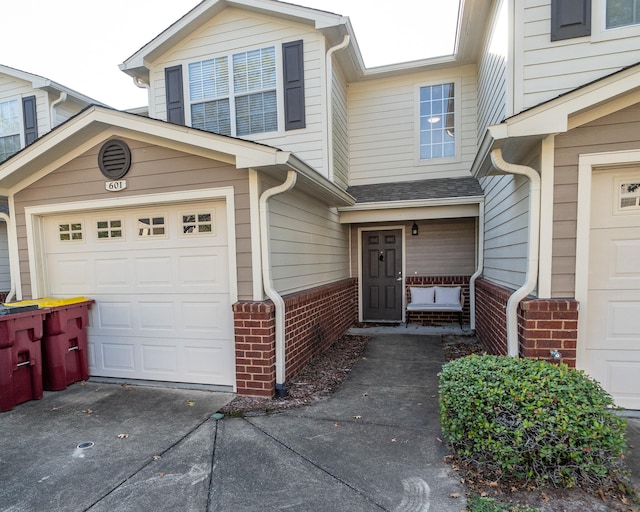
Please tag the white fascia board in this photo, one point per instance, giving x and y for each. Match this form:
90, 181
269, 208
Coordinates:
553, 116
413, 203
451, 211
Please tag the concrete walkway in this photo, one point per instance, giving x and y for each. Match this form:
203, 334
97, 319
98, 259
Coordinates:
374, 445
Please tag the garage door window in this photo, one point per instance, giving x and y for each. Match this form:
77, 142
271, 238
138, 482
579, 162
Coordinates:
70, 232
198, 224
109, 229
151, 227
629, 198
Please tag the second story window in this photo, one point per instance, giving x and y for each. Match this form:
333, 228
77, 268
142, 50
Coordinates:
235, 95
9, 128
621, 13
437, 121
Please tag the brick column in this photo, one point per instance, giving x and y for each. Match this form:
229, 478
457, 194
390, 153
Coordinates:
255, 328
548, 324
491, 316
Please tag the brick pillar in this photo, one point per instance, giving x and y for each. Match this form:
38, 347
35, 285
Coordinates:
255, 328
548, 324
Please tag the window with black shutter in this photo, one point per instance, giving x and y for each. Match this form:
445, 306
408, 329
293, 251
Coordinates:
570, 18
30, 118
293, 72
174, 94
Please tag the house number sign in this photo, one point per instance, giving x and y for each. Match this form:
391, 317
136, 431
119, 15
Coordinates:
115, 186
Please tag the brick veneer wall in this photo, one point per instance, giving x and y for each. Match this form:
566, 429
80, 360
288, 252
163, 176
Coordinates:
436, 317
491, 316
314, 319
543, 324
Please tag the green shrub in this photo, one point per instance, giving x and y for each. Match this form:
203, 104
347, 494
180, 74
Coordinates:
532, 421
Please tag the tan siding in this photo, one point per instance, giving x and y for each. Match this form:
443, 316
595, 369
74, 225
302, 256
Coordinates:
309, 246
234, 31
616, 132
383, 136
551, 68
492, 72
443, 247
153, 170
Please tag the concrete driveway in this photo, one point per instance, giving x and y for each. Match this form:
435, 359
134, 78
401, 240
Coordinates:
374, 445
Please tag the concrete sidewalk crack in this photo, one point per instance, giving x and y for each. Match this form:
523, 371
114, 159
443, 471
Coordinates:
314, 464
149, 462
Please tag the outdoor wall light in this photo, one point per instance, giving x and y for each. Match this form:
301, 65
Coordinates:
414, 229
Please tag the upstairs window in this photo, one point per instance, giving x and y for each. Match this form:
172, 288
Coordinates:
437, 121
621, 13
235, 95
9, 128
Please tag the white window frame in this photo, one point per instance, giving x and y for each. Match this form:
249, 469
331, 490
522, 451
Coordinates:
232, 95
599, 30
20, 119
457, 105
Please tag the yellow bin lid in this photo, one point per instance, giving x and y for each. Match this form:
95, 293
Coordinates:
47, 302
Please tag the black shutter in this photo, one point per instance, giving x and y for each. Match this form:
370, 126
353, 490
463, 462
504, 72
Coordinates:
293, 71
175, 98
570, 18
30, 117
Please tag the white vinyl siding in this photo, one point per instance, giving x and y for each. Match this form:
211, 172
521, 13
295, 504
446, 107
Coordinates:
309, 247
339, 130
234, 31
492, 72
550, 69
506, 232
383, 128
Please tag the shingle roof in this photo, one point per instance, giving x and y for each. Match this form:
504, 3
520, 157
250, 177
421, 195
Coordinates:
440, 188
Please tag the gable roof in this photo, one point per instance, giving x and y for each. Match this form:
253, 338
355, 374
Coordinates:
334, 27
96, 124
40, 82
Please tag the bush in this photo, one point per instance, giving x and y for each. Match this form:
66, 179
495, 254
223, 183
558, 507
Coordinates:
532, 421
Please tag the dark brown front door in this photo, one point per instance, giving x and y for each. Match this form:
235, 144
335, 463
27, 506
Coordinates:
382, 275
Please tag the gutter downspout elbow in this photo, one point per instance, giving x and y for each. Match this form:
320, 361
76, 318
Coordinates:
533, 246
52, 108
12, 263
267, 279
329, 99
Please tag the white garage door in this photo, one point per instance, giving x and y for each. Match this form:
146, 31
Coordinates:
160, 279
613, 315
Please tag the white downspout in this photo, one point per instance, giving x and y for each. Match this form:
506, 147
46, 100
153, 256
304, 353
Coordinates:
52, 108
12, 263
267, 279
533, 245
329, 102
479, 269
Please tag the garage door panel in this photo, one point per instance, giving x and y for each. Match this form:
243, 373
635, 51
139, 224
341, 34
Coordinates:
162, 308
612, 339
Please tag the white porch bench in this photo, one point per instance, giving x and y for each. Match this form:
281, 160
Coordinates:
445, 299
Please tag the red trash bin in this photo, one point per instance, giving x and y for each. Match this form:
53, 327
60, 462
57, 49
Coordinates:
20, 358
64, 345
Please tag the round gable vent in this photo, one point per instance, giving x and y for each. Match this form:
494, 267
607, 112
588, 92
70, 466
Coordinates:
114, 159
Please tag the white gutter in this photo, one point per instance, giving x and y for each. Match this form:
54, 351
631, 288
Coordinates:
480, 268
12, 263
329, 102
52, 108
267, 278
533, 245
